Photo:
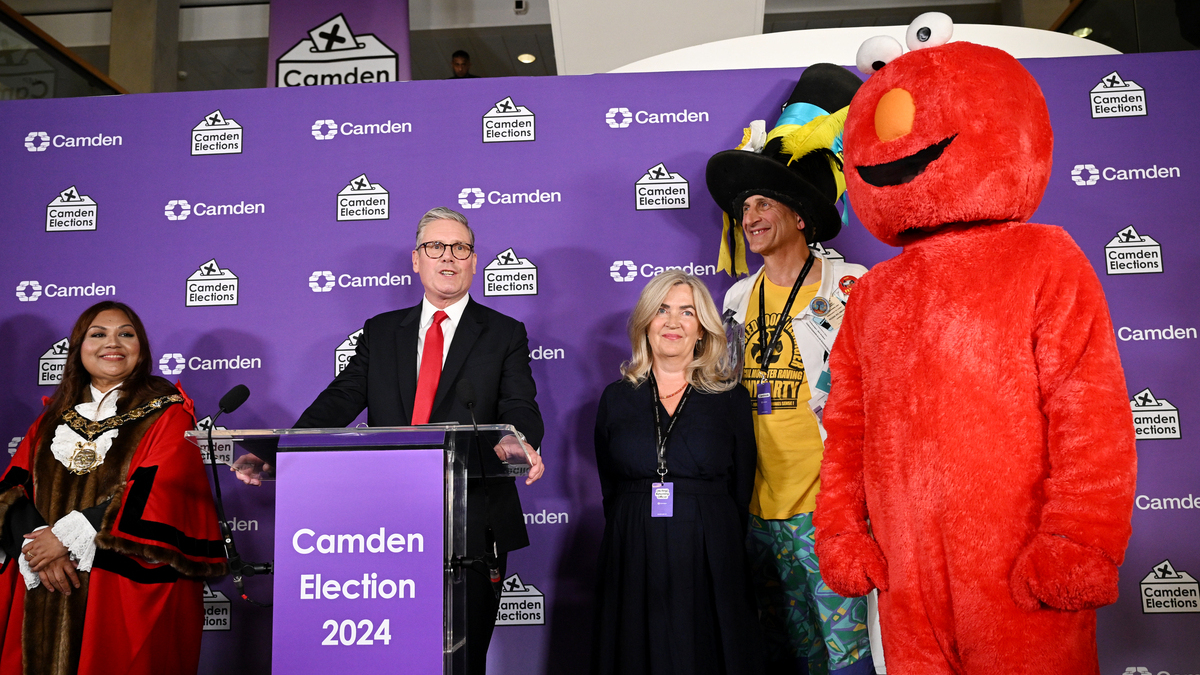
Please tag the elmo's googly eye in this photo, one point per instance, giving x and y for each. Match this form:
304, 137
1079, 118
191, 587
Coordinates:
931, 29
876, 53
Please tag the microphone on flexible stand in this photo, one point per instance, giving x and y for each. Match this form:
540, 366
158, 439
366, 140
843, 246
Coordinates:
238, 568
465, 391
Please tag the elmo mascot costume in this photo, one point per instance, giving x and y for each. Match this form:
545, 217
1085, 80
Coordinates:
980, 465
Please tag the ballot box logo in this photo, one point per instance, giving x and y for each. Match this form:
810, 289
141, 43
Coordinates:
659, 189
211, 286
828, 253
1166, 590
510, 274
1154, 418
507, 122
1117, 97
71, 212
333, 54
222, 449
52, 363
216, 609
1085, 174
344, 351
14, 444
217, 135
29, 291
362, 200
521, 604
618, 118
37, 141
1132, 253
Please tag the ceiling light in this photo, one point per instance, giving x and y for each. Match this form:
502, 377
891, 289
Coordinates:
526, 58
1082, 32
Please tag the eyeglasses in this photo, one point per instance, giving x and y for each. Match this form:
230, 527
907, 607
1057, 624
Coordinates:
435, 249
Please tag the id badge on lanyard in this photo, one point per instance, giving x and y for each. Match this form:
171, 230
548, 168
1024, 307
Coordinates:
662, 493
762, 391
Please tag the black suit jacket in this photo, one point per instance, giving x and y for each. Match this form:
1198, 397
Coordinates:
489, 349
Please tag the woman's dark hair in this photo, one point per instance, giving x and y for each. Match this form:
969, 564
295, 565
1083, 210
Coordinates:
75, 379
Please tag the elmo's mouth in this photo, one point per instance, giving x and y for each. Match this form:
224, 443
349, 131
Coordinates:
905, 169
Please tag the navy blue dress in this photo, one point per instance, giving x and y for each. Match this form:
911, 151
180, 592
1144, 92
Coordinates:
673, 594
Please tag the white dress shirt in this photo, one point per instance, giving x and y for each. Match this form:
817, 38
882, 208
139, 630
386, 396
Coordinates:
453, 316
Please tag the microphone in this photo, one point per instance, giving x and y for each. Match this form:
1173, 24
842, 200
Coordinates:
232, 400
465, 391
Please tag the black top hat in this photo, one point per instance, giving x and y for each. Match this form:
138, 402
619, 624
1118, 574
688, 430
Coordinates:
807, 184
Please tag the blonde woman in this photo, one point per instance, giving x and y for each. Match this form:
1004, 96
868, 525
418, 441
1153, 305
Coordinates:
676, 456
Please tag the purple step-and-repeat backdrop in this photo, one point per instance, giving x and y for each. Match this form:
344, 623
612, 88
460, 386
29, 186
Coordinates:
256, 230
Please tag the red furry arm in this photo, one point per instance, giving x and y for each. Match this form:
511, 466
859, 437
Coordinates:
851, 562
1089, 491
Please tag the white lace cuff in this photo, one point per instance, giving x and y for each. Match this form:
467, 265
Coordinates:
32, 580
77, 534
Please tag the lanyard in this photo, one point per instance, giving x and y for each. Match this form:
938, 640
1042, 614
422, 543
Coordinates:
659, 436
769, 348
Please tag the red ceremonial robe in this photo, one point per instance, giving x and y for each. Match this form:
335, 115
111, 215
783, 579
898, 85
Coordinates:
141, 604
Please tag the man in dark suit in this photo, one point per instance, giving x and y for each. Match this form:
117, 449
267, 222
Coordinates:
406, 369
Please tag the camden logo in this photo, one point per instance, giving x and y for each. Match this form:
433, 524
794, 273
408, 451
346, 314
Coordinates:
39, 141
174, 364
344, 351
177, 209
659, 189
362, 200
1166, 590
216, 135
471, 198
1085, 174
1115, 97
216, 609
324, 130
52, 363
1132, 253
508, 122
323, 281
621, 118
474, 198
30, 291
627, 270
180, 209
71, 212
222, 447
171, 364
211, 286
1154, 418
332, 54
510, 274
521, 604
1088, 174
14, 444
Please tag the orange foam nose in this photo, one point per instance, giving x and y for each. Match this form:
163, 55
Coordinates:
894, 115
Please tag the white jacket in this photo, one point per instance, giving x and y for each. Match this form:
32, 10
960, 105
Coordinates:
813, 339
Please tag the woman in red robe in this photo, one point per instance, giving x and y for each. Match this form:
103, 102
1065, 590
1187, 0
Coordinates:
107, 524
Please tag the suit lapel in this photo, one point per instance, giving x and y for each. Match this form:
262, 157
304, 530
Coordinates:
465, 336
406, 361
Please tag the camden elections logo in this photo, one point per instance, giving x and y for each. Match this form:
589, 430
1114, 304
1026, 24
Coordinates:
211, 286
332, 54
71, 212
341, 355
1166, 590
216, 609
521, 604
215, 135
659, 189
324, 130
510, 274
1114, 97
39, 141
52, 363
1154, 418
362, 200
1132, 253
508, 122
222, 448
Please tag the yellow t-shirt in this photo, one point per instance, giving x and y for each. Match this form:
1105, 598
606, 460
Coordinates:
789, 440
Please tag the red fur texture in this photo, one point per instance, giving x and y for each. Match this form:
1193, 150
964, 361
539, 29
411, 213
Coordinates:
979, 428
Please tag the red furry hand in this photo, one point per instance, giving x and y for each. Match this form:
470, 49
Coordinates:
1062, 574
852, 564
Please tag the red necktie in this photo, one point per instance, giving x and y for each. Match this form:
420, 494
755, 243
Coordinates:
431, 370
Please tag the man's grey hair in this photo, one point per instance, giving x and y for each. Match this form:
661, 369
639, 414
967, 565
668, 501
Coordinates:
443, 213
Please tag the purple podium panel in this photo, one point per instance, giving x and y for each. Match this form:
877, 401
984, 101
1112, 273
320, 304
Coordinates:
359, 562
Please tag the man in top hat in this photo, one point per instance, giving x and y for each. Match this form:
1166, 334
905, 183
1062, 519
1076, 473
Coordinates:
785, 318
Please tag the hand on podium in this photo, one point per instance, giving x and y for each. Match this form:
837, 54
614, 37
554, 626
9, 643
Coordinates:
510, 447
249, 467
